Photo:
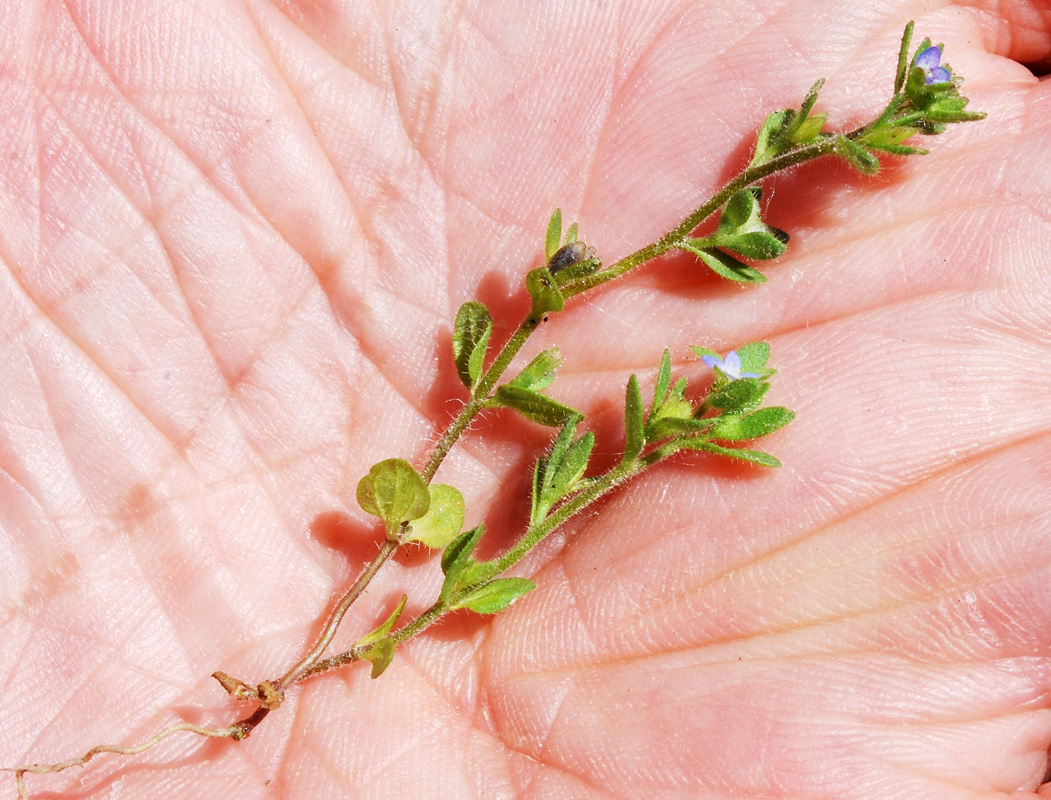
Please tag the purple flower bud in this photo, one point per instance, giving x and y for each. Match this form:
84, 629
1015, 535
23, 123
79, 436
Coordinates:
930, 62
729, 366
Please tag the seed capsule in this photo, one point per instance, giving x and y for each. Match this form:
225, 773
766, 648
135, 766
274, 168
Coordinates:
567, 256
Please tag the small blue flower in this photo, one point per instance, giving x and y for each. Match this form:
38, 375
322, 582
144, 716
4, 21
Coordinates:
729, 366
930, 62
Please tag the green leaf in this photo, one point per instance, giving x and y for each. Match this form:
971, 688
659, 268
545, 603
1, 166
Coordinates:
759, 245
738, 397
788, 128
676, 426
479, 572
385, 627
700, 351
732, 428
903, 58
674, 415
557, 472
901, 149
571, 234
803, 128
809, 130
950, 109
809, 101
457, 559
471, 335
755, 456
769, 134
723, 265
857, 156
742, 229
443, 521
562, 442
741, 210
634, 433
563, 478
554, 235
754, 357
496, 596
888, 136
532, 405
395, 492
660, 391
916, 86
675, 404
539, 373
537, 511
380, 654
460, 548
544, 292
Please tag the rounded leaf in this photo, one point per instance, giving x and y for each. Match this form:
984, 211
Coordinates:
394, 491
443, 521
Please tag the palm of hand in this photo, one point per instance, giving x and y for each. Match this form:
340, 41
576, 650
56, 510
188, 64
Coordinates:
233, 251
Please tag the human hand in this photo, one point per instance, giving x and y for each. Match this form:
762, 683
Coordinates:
234, 239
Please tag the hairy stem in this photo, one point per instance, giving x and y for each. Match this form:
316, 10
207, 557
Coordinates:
481, 397
336, 616
672, 238
596, 489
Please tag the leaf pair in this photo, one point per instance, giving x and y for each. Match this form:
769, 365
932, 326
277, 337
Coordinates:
742, 231
736, 401
923, 103
557, 474
484, 594
381, 653
523, 393
396, 493
671, 414
786, 129
471, 334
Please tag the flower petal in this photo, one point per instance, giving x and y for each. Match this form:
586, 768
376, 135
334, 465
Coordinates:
938, 75
929, 59
712, 361
732, 365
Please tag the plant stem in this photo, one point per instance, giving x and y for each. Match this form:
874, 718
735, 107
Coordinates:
336, 617
481, 398
670, 240
533, 536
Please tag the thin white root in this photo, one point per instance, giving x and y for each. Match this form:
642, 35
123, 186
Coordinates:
231, 732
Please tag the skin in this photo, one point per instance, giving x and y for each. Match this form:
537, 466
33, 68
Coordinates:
234, 236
